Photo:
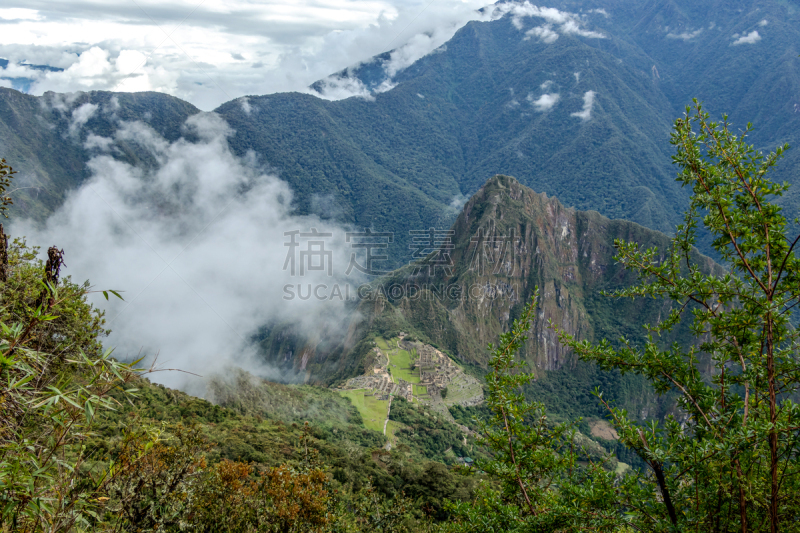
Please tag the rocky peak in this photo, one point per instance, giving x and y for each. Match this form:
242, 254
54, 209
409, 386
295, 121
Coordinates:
507, 241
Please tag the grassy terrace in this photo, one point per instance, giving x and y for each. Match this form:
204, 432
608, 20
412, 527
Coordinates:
400, 360
419, 390
372, 410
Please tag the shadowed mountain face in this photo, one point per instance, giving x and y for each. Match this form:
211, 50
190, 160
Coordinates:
49, 139
468, 112
584, 118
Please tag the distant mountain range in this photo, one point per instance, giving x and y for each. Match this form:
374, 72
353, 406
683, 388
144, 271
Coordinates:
575, 100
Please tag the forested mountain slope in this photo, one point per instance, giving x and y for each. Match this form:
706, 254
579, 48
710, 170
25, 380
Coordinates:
49, 139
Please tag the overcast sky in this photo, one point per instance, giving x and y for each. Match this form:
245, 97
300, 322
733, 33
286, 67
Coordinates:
212, 51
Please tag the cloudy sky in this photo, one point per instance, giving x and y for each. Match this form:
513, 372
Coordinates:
211, 51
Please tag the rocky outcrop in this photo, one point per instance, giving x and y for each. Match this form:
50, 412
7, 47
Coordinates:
507, 241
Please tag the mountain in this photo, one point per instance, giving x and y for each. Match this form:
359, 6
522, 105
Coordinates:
48, 139
578, 109
507, 241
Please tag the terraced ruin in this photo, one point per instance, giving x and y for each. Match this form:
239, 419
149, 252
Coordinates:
416, 371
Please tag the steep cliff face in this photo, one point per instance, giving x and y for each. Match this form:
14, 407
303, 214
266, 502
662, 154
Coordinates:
507, 241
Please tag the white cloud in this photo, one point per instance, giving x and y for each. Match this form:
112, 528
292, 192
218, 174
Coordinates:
432, 40
96, 142
94, 69
750, 38
685, 36
458, 201
763, 23
545, 33
19, 13
197, 243
80, 116
293, 44
572, 27
545, 102
556, 21
335, 88
588, 101
111, 45
245, 103
600, 12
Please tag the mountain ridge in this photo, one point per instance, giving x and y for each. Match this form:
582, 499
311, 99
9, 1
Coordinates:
466, 112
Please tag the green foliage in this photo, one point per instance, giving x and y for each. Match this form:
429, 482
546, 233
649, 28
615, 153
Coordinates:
727, 460
156, 477
54, 380
731, 463
6, 174
470, 416
427, 429
543, 487
76, 327
162, 483
86, 444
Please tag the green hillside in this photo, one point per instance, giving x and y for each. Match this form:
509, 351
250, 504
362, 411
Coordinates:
35, 134
398, 161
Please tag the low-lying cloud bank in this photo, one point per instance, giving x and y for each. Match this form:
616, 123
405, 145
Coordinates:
195, 239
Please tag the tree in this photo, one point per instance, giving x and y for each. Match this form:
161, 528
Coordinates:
543, 487
54, 377
727, 460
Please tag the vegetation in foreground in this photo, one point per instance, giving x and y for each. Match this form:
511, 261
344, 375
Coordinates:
88, 444
729, 460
